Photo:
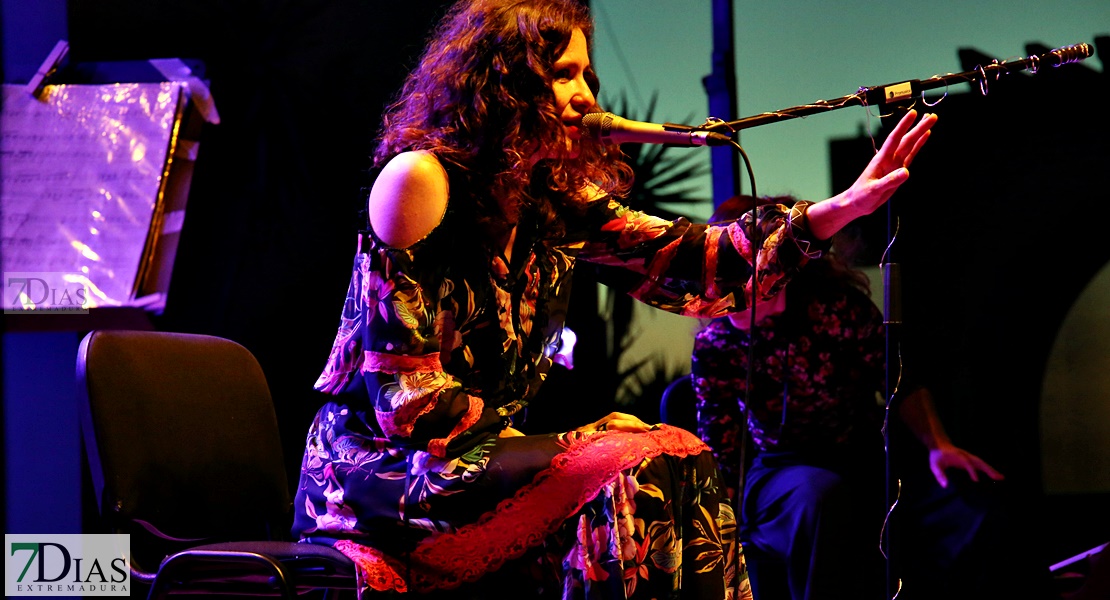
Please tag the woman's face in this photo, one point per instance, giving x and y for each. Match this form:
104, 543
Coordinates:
573, 97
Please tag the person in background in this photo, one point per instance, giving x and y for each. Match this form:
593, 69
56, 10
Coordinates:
487, 194
807, 382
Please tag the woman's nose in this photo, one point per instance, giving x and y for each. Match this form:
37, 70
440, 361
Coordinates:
583, 97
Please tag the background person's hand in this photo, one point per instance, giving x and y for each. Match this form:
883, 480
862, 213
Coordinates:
945, 457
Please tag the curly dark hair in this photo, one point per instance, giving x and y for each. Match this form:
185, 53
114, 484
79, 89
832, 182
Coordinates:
481, 100
829, 272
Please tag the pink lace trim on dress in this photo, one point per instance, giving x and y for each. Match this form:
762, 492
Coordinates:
374, 569
438, 446
447, 560
401, 421
418, 396
400, 363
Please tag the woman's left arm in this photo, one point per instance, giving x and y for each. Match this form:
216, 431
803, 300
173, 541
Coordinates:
694, 269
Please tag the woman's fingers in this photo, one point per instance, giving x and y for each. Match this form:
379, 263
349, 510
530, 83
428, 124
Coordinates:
904, 142
617, 421
913, 141
887, 169
889, 149
917, 146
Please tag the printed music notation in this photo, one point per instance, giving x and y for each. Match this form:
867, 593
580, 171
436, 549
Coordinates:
82, 170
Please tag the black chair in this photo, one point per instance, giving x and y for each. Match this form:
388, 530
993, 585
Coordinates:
185, 456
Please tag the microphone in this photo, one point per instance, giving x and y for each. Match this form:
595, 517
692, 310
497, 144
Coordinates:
608, 128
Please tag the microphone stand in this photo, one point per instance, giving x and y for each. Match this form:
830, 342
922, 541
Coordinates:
911, 88
896, 94
892, 321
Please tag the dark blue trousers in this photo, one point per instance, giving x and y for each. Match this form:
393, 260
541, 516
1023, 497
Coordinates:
811, 526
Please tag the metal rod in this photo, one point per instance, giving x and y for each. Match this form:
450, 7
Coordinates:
898, 92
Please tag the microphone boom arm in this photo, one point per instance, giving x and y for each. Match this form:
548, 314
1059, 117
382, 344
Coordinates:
896, 92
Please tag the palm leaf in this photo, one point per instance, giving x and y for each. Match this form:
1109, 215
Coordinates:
662, 173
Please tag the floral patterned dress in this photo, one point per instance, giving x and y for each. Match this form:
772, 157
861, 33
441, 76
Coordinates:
441, 343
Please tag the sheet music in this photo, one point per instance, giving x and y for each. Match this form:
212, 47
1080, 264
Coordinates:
82, 170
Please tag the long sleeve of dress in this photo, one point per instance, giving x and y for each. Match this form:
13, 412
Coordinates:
693, 269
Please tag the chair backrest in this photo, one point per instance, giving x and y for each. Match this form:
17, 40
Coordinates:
678, 406
181, 435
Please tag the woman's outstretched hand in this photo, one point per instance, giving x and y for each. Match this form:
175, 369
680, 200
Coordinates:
888, 169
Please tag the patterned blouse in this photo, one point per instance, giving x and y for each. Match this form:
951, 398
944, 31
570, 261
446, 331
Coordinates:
467, 337
827, 363
441, 343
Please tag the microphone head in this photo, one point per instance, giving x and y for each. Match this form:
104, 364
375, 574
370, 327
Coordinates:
607, 128
599, 125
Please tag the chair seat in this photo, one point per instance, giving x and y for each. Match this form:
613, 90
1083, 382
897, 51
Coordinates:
255, 567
